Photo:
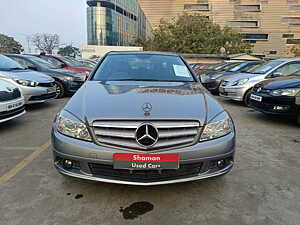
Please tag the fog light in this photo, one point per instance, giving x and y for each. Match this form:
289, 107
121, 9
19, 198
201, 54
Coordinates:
221, 163
67, 164
281, 108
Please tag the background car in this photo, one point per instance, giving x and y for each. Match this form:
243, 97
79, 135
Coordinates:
11, 101
35, 87
278, 96
88, 63
66, 81
63, 62
213, 80
239, 87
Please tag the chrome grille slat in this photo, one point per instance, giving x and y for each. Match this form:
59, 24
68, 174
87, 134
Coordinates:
119, 133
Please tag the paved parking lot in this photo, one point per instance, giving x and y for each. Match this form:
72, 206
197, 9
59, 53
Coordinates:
263, 188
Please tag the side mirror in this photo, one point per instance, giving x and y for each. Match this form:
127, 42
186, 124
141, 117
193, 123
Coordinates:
276, 74
32, 68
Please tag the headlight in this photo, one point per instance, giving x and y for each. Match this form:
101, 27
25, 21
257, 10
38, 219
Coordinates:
27, 83
240, 82
217, 129
286, 92
68, 78
71, 126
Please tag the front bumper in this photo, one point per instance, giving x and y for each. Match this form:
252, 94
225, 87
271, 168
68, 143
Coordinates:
196, 162
73, 86
6, 115
232, 93
281, 105
37, 94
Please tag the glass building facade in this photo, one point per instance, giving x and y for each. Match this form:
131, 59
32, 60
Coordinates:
115, 22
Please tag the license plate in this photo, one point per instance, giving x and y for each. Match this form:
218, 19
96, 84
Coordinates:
256, 98
51, 90
13, 106
132, 161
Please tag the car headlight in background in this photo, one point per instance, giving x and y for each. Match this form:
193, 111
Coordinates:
240, 82
286, 92
69, 125
27, 83
218, 128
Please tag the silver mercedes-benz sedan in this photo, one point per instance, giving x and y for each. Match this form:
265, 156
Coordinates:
143, 119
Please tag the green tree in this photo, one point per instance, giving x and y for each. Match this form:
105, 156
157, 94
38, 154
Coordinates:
9, 45
194, 34
69, 50
296, 51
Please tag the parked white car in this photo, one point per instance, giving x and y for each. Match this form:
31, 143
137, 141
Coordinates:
11, 101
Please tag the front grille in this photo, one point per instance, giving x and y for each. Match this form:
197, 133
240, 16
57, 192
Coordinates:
49, 84
262, 90
185, 170
7, 96
171, 134
43, 97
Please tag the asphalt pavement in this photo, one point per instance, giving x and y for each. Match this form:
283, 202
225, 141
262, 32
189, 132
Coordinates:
262, 189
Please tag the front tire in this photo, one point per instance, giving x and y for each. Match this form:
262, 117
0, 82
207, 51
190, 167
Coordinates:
247, 98
60, 90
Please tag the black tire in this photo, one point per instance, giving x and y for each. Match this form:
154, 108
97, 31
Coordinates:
247, 98
60, 89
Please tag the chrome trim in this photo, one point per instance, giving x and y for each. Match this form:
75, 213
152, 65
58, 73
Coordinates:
121, 134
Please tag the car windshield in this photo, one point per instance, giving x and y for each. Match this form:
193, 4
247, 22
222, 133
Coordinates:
265, 67
295, 74
42, 62
55, 62
143, 67
7, 64
71, 62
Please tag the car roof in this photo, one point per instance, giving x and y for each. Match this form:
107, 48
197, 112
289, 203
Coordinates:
285, 60
142, 53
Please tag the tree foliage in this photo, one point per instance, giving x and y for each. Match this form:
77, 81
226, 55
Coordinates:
296, 51
46, 42
9, 45
193, 34
69, 50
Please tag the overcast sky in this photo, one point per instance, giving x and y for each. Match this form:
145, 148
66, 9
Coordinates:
67, 18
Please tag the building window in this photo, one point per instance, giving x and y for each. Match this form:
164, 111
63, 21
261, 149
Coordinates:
250, 41
197, 7
293, 41
273, 52
295, 7
255, 36
248, 8
291, 20
245, 24
288, 36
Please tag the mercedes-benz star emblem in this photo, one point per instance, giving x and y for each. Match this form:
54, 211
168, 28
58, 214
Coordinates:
146, 135
147, 107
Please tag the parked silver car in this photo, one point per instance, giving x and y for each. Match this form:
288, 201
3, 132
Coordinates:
143, 119
11, 101
239, 86
35, 87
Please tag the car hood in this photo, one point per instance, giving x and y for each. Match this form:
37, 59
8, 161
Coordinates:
238, 76
125, 100
27, 75
281, 83
220, 75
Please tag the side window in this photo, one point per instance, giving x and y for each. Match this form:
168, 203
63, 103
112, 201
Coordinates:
288, 69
